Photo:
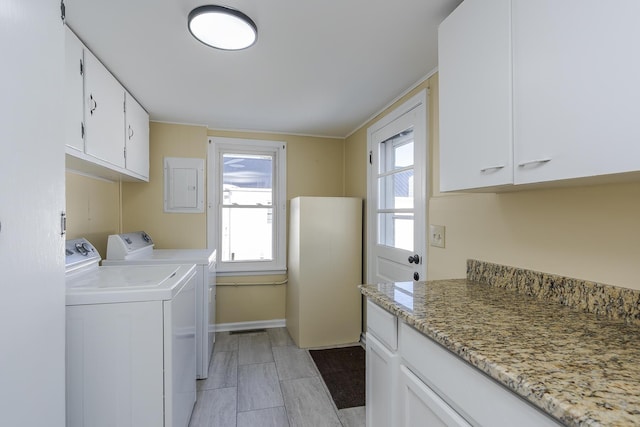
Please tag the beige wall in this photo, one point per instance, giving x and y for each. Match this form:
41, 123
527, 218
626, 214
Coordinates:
93, 209
250, 303
143, 203
587, 232
355, 160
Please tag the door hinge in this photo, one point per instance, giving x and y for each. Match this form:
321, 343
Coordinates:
62, 11
81, 68
370, 157
82, 129
125, 152
63, 223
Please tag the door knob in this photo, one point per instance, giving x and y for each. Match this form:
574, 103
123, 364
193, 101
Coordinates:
416, 276
414, 259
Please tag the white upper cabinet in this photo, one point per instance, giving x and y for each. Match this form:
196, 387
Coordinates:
474, 62
136, 137
104, 113
102, 139
576, 77
74, 84
538, 91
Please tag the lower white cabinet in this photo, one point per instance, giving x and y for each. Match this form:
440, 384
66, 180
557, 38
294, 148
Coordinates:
420, 405
478, 399
382, 366
420, 383
381, 384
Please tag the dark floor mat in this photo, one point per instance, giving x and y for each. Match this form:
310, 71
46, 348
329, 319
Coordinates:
343, 370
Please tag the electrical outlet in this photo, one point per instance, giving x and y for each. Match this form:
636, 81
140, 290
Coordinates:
436, 235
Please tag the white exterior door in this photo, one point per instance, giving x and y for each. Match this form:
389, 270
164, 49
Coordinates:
32, 307
396, 188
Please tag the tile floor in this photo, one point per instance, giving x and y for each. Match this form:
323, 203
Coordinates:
263, 379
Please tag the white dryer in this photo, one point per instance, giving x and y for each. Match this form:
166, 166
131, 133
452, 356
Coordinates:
130, 342
137, 248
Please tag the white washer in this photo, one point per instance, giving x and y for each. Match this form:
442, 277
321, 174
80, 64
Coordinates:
137, 248
130, 342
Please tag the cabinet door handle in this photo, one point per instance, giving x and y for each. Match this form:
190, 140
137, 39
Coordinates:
130, 132
497, 167
533, 162
93, 106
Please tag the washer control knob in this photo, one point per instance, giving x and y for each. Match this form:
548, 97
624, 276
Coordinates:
80, 249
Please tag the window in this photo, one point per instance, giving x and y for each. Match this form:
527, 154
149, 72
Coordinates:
247, 210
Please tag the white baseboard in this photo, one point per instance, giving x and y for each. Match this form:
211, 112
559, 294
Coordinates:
243, 326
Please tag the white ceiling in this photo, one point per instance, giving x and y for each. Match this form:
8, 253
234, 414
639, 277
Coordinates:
318, 68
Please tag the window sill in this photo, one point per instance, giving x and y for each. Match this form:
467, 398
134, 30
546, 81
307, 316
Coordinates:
251, 273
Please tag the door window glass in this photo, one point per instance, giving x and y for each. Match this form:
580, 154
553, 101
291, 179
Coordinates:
396, 191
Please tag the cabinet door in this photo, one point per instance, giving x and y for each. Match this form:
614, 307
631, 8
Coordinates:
32, 196
576, 88
104, 113
474, 61
136, 137
421, 406
73, 93
382, 366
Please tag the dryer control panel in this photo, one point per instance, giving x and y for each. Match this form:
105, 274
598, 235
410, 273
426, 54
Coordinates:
128, 245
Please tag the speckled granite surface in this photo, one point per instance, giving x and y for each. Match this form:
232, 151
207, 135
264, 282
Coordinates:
610, 301
581, 368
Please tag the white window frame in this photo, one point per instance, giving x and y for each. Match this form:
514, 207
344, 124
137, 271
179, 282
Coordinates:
217, 147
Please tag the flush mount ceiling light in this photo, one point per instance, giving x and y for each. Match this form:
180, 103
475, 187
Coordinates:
222, 27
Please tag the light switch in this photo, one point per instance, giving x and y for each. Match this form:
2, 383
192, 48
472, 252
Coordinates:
436, 235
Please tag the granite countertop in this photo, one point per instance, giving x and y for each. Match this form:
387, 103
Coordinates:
581, 368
